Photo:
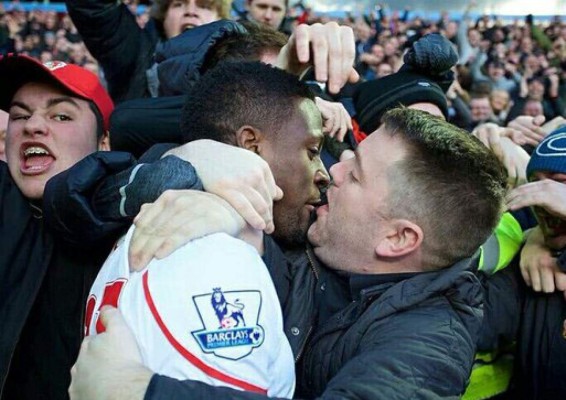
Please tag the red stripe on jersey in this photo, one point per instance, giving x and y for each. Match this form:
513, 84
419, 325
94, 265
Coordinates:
214, 373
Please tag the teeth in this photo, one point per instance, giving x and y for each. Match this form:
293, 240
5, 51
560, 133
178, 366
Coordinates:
34, 151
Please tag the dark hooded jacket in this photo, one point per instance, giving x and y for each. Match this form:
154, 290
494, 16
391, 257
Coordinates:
123, 49
43, 286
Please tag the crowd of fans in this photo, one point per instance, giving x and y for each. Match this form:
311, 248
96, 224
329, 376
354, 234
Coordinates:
505, 69
502, 81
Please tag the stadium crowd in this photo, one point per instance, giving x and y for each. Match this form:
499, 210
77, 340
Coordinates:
250, 199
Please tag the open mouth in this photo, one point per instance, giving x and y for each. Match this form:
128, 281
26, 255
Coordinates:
322, 209
35, 159
186, 27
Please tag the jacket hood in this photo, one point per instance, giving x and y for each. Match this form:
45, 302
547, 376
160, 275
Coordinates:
180, 59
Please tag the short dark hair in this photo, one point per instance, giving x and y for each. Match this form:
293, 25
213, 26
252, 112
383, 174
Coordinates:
234, 94
450, 184
250, 46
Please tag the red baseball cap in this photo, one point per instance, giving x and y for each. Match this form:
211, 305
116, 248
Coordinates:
17, 70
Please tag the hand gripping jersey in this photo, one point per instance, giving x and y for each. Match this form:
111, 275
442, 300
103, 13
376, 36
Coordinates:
208, 312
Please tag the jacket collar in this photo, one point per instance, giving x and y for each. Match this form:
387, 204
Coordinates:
404, 293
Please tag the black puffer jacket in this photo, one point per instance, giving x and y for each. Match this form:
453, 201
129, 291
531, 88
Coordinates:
32, 261
25, 252
129, 54
398, 340
123, 49
180, 59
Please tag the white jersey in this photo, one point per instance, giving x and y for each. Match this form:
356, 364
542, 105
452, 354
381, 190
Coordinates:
208, 312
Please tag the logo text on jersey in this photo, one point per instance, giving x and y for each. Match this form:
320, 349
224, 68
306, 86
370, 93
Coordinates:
230, 322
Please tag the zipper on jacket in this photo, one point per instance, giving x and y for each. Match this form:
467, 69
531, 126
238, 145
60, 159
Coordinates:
300, 353
314, 271
311, 263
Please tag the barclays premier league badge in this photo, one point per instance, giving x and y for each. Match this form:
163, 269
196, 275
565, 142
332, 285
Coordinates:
230, 321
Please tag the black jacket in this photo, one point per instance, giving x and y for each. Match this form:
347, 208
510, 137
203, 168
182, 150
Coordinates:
181, 60
536, 321
23, 263
136, 60
123, 49
413, 338
96, 200
542, 347
31, 258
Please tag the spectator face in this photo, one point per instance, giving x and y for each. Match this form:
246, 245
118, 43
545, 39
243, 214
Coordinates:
28, 43
48, 132
474, 37
495, 71
142, 19
390, 48
499, 100
45, 57
49, 40
481, 109
553, 228
186, 14
532, 63
294, 158
355, 217
451, 29
501, 50
268, 12
384, 69
77, 54
363, 32
533, 108
3, 125
526, 45
536, 90
67, 23
51, 22
498, 36
62, 44
378, 52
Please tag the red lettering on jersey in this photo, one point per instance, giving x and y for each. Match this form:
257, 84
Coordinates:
110, 297
89, 312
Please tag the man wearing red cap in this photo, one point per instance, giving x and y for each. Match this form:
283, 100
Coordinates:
58, 114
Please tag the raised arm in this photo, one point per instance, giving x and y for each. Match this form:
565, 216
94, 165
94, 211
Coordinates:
113, 37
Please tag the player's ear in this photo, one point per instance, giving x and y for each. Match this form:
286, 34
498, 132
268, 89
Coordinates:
249, 138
